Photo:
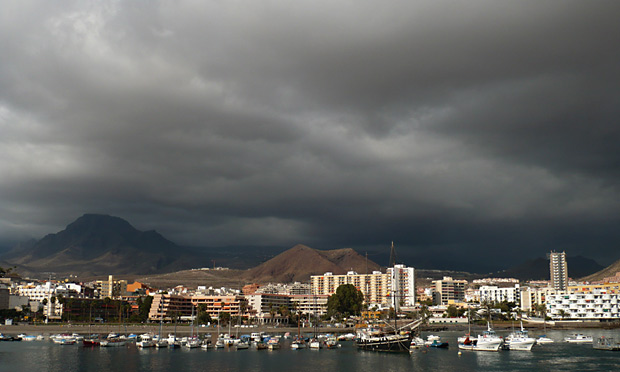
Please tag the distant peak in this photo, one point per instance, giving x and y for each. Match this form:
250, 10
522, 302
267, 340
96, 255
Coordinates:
99, 221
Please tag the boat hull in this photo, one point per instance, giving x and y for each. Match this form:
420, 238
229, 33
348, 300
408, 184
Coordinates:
395, 344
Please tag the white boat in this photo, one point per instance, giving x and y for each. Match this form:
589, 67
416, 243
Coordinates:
430, 339
77, 337
578, 338
114, 342
416, 343
488, 341
192, 343
543, 339
273, 344
242, 345
65, 340
331, 342
298, 343
25, 337
161, 344
315, 344
146, 341
519, 340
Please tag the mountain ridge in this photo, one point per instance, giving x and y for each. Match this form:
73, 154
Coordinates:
100, 244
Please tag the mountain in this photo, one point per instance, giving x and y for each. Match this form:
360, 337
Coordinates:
607, 272
299, 262
101, 244
538, 268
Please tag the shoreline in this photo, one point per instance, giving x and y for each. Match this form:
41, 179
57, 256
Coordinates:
183, 330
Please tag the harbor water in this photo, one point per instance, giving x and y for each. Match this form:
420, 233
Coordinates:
559, 356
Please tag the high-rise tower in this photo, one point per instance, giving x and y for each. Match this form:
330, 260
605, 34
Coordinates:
558, 271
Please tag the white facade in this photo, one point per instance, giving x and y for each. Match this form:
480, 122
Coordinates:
492, 293
586, 306
378, 288
38, 292
402, 286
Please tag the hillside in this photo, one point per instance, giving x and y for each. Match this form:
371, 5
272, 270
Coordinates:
100, 244
609, 271
300, 262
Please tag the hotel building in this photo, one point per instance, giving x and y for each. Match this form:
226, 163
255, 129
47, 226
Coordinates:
558, 271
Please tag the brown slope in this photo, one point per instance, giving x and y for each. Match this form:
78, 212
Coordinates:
300, 262
609, 271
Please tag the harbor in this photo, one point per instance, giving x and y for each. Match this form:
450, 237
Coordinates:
558, 356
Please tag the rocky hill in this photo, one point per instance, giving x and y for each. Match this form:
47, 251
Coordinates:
100, 244
607, 272
299, 262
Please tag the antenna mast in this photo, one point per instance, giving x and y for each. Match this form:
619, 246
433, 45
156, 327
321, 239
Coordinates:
392, 256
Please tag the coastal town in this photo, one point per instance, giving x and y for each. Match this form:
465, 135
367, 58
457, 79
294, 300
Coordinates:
395, 291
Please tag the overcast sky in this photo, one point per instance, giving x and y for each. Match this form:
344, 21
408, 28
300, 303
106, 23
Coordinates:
477, 131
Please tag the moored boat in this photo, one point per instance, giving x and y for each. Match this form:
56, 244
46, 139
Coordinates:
606, 343
519, 340
379, 340
578, 338
488, 341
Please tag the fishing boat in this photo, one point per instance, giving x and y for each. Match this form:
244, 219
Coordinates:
578, 338
488, 341
606, 343
146, 341
519, 340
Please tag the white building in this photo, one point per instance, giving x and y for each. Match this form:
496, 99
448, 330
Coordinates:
378, 288
402, 286
558, 271
492, 294
596, 305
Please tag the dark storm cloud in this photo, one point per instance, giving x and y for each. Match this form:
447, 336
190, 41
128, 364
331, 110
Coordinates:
486, 127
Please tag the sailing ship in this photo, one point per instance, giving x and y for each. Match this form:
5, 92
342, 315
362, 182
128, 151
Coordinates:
394, 340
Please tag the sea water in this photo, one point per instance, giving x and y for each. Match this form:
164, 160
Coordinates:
559, 356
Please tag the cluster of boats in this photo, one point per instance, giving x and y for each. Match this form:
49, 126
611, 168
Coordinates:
258, 340
370, 339
399, 340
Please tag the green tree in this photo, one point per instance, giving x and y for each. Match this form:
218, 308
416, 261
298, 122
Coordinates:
347, 301
144, 307
203, 317
452, 311
224, 317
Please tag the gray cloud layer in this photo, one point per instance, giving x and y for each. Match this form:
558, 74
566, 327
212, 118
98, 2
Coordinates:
477, 128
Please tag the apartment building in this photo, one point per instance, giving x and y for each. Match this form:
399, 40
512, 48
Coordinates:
592, 305
111, 288
375, 286
168, 306
558, 270
493, 294
448, 291
397, 285
402, 286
